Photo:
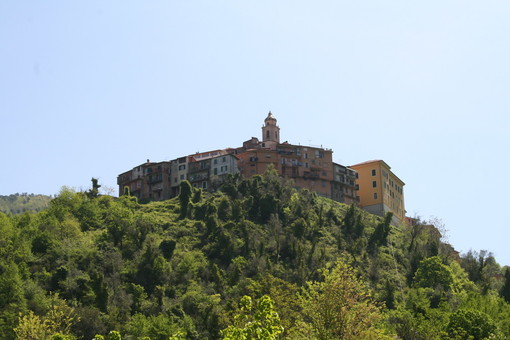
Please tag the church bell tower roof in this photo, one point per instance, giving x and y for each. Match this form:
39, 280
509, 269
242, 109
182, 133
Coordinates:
270, 117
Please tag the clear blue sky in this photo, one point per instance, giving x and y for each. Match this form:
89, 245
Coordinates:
94, 88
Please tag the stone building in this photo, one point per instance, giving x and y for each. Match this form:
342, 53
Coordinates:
309, 167
161, 181
370, 184
147, 181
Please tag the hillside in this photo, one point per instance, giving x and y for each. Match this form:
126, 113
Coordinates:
20, 203
211, 266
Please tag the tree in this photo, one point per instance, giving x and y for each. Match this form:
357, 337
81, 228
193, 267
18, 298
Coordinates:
254, 322
94, 192
380, 235
505, 291
432, 273
56, 323
470, 324
186, 190
341, 307
481, 268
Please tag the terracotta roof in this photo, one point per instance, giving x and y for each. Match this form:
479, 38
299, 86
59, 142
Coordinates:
368, 162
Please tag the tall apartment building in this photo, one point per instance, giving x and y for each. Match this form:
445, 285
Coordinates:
380, 190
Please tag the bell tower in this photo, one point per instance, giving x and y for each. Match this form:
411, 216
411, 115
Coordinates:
270, 131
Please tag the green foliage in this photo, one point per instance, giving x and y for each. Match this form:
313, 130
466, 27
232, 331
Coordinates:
470, 324
175, 269
114, 335
56, 323
505, 290
94, 192
380, 235
340, 307
432, 273
254, 322
185, 192
20, 203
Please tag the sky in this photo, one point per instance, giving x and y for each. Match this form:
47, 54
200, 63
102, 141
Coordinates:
95, 88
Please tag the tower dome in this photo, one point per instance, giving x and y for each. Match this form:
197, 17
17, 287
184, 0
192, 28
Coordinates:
270, 117
270, 131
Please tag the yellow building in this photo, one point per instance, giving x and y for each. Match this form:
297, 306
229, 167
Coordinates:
380, 190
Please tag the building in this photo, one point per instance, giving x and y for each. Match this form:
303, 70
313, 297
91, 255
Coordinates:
149, 181
343, 186
309, 167
209, 170
380, 190
161, 181
370, 184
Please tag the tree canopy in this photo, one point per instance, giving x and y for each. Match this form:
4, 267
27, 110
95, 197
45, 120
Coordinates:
257, 259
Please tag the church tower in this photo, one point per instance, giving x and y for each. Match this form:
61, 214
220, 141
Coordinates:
270, 131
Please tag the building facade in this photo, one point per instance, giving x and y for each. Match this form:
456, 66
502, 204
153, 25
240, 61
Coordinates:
343, 186
380, 190
309, 167
161, 181
371, 184
148, 181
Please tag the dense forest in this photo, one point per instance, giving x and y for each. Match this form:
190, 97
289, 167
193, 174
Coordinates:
255, 260
20, 203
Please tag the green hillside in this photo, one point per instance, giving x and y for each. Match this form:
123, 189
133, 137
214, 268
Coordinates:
258, 260
20, 203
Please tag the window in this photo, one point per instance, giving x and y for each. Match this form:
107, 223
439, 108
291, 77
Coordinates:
215, 161
306, 155
182, 177
373, 172
182, 167
374, 184
267, 134
306, 165
375, 195
204, 185
357, 187
215, 171
224, 159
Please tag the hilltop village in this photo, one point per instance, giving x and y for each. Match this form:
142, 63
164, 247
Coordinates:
371, 185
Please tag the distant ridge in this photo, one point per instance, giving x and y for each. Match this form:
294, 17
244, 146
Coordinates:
19, 203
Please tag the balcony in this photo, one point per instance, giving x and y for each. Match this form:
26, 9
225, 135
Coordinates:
198, 177
156, 179
310, 175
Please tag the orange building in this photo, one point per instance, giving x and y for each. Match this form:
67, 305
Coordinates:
309, 167
380, 190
